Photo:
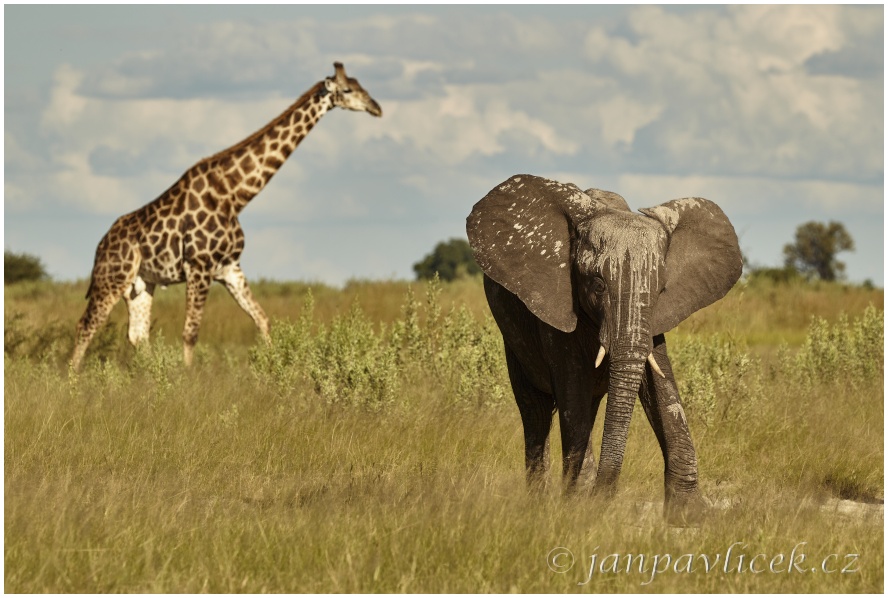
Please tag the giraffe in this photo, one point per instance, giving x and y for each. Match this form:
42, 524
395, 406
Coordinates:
191, 233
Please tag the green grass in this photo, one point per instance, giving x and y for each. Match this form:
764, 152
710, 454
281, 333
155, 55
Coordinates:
375, 448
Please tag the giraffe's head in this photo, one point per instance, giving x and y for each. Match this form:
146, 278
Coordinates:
348, 93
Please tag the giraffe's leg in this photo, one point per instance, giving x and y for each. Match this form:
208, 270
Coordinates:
236, 283
197, 283
105, 292
138, 302
97, 311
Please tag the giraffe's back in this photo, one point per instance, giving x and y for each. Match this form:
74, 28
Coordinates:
193, 221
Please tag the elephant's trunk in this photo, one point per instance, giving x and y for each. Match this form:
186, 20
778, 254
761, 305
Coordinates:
626, 372
625, 336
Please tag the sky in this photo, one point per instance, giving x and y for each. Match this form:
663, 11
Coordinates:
776, 113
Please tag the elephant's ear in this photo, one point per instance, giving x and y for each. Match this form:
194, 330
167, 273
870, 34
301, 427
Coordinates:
520, 234
702, 263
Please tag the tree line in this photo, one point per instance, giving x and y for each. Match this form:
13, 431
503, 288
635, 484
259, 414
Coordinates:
811, 256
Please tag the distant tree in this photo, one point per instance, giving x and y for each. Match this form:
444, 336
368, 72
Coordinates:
18, 267
451, 259
815, 248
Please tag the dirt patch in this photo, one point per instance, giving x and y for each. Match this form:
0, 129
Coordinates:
851, 509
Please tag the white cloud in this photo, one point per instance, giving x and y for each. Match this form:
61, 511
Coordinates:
222, 55
461, 124
276, 249
784, 37
65, 104
622, 116
16, 198
738, 93
76, 182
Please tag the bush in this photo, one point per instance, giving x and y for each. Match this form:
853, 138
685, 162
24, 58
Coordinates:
850, 351
786, 275
51, 342
281, 363
717, 378
350, 363
19, 267
449, 260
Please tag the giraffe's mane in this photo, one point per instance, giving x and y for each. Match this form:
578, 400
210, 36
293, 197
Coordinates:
303, 99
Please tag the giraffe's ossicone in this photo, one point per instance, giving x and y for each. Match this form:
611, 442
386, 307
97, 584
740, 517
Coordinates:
191, 232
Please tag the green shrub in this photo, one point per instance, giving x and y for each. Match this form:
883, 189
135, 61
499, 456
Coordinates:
717, 378
19, 267
351, 363
347, 363
160, 364
470, 357
850, 351
50, 342
785, 275
283, 363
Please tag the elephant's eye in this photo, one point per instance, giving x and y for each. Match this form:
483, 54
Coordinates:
598, 286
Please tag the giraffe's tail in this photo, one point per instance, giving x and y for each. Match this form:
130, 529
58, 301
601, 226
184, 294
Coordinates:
92, 277
91, 282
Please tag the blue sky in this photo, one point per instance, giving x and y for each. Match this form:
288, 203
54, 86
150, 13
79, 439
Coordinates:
773, 112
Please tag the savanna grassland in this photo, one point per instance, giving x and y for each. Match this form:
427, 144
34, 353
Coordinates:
375, 447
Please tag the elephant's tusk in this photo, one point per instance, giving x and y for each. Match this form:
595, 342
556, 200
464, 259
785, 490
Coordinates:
600, 357
654, 365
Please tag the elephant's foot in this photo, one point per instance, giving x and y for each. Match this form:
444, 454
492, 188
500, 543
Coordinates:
537, 481
684, 509
585, 482
537, 468
601, 488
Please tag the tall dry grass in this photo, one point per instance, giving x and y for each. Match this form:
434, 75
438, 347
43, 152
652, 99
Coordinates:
375, 448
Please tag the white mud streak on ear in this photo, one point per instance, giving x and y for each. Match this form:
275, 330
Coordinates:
531, 230
669, 214
575, 203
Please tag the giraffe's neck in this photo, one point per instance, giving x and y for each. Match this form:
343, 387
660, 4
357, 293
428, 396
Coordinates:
244, 169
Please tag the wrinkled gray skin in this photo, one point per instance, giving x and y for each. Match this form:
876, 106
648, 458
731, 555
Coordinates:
569, 273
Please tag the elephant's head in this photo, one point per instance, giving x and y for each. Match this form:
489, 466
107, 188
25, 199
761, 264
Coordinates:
569, 255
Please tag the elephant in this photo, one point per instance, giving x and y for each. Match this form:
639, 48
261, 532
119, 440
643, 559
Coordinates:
583, 291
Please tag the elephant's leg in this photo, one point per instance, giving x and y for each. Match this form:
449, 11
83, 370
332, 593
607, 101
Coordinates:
589, 470
536, 409
576, 416
662, 405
